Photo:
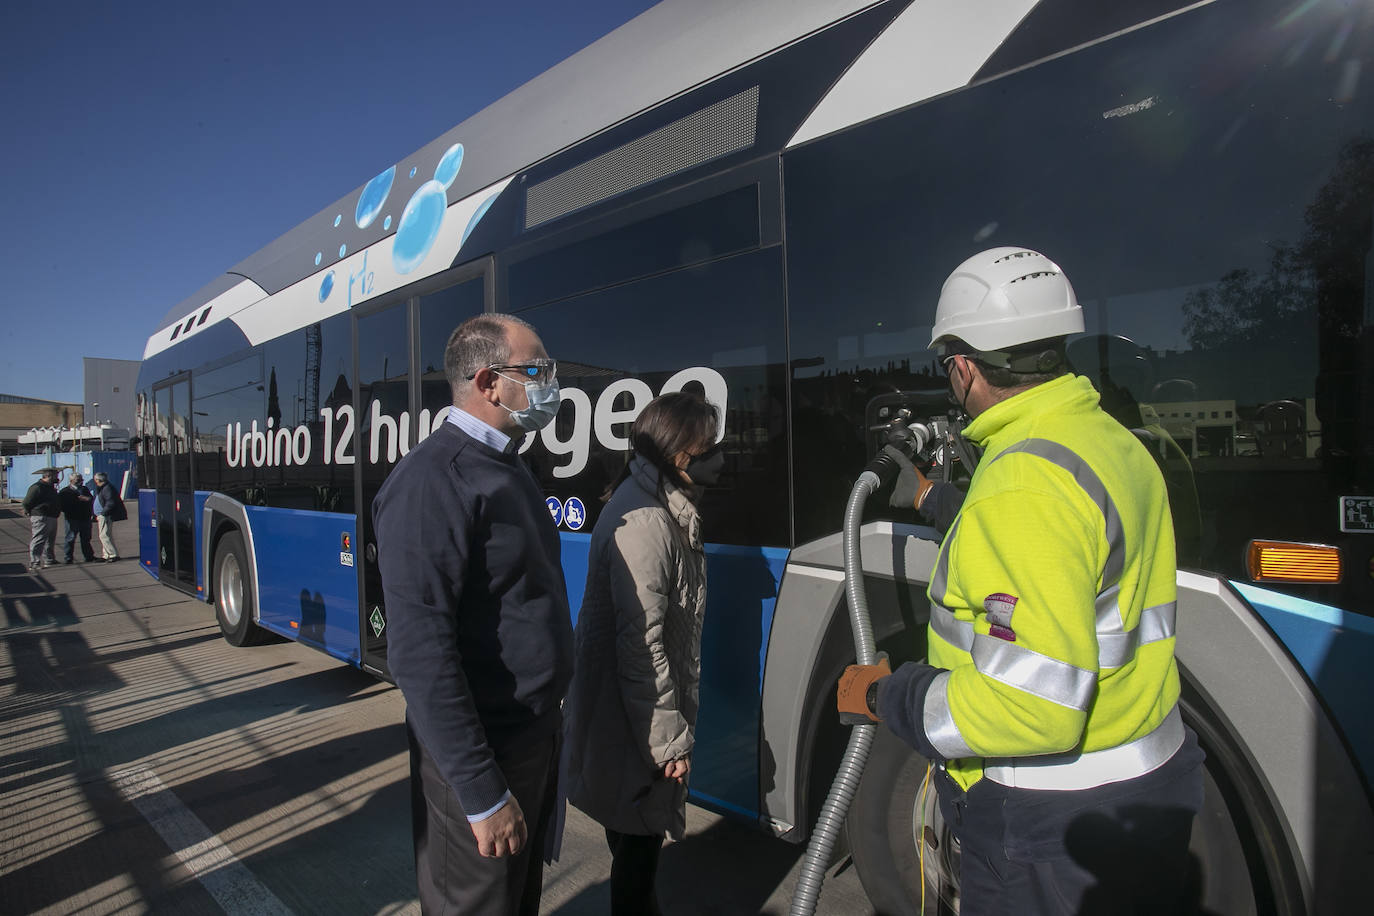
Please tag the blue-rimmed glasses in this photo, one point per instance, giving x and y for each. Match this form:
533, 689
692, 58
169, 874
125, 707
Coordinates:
542, 371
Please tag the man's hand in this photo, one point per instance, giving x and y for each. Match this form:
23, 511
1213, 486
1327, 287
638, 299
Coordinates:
852, 694
911, 486
502, 834
677, 769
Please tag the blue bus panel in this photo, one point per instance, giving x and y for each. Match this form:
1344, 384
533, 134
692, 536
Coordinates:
741, 593
147, 532
1334, 648
307, 581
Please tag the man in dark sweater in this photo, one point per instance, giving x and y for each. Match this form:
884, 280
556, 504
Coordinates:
479, 634
76, 508
42, 506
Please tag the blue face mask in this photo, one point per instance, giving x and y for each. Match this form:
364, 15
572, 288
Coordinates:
544, 402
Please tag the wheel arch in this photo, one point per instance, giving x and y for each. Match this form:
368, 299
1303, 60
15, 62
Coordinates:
220, 515
1273, 717
810, 641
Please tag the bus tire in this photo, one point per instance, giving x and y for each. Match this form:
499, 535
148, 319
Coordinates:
888, 812
234, 592
1240, 867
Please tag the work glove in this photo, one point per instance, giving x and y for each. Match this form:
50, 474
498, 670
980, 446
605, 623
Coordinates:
911, 486
852, 694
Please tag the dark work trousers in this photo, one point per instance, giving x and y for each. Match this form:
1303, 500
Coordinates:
81, 528
1116, 849
634, 869
452, 876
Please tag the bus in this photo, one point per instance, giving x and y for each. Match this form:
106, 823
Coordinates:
760, 201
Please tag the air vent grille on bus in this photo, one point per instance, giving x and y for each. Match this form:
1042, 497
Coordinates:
726, 127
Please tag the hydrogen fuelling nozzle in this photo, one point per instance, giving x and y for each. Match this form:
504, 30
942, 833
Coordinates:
917, 440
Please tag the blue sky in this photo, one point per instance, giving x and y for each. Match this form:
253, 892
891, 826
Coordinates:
150, 146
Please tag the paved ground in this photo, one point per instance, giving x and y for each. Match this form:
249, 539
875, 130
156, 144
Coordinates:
147, 766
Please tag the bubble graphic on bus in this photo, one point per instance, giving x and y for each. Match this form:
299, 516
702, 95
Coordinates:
412, 171
326, 286
318, 256
419, 226
338, 218
448, 166
386, 223
343, 249
477, 218
373, 196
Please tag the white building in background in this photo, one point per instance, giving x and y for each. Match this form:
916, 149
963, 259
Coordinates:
87, 437
109, 391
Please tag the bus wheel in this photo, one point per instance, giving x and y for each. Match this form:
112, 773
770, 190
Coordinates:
234, 592
907, 859
904, 852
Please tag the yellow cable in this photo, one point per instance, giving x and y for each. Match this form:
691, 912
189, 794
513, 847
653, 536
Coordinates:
921, 834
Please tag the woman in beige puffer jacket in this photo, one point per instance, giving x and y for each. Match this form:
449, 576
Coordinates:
632, 707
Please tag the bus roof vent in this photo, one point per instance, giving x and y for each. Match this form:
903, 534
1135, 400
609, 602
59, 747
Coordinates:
726, 127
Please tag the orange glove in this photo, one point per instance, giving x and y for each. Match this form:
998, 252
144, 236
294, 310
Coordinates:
852, 694
911, 486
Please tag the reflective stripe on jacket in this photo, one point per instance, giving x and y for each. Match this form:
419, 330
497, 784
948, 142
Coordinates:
1054, 596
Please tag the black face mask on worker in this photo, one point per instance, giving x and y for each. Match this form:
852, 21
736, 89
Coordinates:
950, 368
704, 470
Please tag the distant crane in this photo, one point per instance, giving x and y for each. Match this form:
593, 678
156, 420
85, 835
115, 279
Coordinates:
312, 372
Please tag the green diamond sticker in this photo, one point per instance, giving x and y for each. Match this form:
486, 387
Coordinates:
377, 620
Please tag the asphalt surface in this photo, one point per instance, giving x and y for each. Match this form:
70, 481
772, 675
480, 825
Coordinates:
148, 766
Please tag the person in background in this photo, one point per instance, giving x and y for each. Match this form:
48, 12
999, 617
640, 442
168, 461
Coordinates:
479, 636
76, 502
632, 706
42, 507
108, 508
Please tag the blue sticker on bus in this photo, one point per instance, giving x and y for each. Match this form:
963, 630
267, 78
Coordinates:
576, 514
555, 510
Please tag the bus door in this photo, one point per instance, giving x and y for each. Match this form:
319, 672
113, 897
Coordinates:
402, 395
175, 493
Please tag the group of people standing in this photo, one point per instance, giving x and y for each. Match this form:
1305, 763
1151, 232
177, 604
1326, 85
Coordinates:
80, 505
1047, 706
481, 644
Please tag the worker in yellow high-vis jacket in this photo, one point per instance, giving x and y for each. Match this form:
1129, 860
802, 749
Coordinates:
1049, 705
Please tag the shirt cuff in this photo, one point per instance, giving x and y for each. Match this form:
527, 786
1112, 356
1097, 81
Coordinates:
474, 818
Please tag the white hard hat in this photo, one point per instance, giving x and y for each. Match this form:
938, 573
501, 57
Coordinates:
1003, 297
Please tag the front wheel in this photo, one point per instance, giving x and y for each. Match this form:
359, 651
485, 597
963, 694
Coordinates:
234, 592
908, 858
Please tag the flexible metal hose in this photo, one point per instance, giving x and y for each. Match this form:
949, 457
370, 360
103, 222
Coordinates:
846, 783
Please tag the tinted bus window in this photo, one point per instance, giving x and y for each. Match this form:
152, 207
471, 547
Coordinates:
383, 391
299, 385
440, 313
718, 326
1220, 257
689, 235
228, 401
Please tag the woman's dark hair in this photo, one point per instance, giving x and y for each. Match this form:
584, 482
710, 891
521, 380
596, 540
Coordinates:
671, 423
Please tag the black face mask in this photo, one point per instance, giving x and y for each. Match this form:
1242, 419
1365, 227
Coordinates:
704, 470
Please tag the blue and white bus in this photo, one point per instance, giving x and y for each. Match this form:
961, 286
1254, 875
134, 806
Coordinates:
761, 200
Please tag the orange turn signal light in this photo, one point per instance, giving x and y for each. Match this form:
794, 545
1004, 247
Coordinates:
1286, 561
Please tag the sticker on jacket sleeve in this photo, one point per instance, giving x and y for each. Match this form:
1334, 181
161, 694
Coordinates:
999, 607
